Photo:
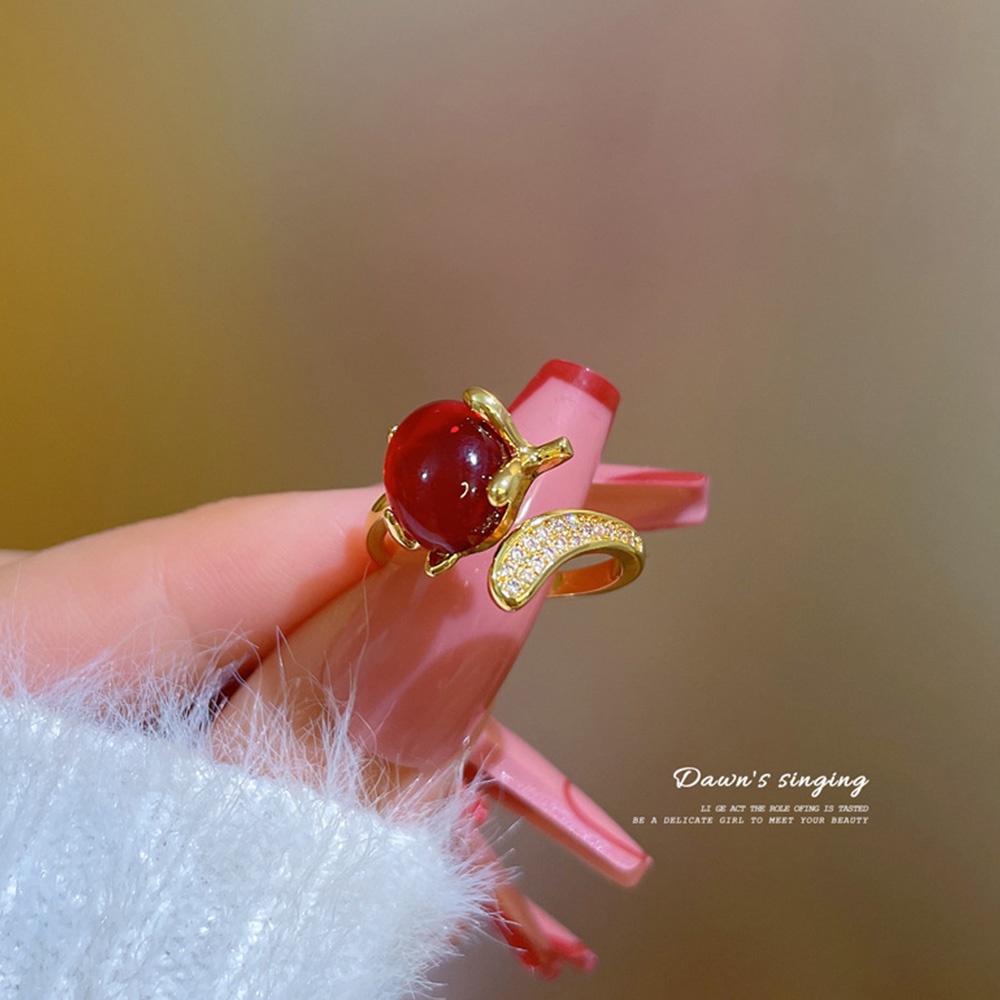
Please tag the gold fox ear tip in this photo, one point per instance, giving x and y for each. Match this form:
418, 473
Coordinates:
547, 456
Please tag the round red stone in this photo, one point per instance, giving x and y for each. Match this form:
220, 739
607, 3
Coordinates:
438, 468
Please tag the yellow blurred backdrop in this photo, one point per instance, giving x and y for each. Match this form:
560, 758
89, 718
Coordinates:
237, 242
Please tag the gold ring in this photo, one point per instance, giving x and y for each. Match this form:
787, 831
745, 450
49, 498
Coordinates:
537, 550
456, 473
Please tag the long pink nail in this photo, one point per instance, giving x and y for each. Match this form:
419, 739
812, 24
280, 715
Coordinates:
521, 779
542, 943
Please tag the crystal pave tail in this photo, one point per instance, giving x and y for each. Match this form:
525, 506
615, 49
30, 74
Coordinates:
535, 552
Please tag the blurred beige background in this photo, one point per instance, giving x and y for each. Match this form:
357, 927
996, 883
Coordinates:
239, 241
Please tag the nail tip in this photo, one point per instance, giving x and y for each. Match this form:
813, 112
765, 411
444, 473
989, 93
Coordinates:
586, 379
633, 875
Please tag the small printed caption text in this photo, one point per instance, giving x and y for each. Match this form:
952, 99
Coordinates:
767, 814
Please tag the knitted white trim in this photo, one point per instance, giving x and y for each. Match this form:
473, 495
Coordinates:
134, 866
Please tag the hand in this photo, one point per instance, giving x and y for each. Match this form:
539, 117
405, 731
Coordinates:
187, 601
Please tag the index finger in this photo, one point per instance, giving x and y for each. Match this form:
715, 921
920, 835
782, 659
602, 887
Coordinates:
226, 578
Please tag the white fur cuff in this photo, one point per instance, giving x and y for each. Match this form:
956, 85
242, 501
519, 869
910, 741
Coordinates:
132, 866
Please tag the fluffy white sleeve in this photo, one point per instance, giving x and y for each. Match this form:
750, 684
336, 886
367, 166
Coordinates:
133, 866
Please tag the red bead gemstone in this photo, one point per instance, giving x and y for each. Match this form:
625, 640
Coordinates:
438, 468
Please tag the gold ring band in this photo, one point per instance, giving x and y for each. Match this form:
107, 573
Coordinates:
535, 552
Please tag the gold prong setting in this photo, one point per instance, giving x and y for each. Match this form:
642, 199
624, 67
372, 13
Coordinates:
398, 532
439, 562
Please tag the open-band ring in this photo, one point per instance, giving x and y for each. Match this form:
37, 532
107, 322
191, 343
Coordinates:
456, 474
